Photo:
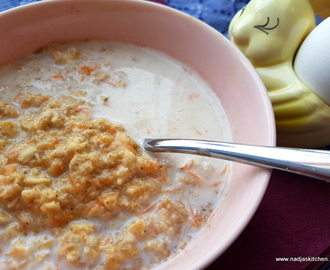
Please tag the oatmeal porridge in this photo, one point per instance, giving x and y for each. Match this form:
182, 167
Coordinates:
76, 189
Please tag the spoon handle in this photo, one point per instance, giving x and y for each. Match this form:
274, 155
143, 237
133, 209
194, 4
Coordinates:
313, 163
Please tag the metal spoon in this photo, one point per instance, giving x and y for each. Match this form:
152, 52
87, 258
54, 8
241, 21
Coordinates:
313, 163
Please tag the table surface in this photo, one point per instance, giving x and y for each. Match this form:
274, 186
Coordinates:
293, 219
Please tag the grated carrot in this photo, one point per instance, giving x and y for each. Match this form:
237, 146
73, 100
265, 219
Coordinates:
153, 228
129, 147
55, 142
195, 221
193, 96
106, 241
64, 219
86, 70
8, 169
23, 265
163, 179
110, 130
74, 185
105, 139
16, 251
164, 203
91, 206
198, 132
196, 178
83, 110
147, 210
224, 170
216, 184
58, 77
188, 165
12, 168
188, 170
82, 126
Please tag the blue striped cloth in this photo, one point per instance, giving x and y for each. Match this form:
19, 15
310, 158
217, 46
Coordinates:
7, 4
217, 13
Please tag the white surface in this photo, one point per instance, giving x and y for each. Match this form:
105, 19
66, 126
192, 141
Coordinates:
312, 63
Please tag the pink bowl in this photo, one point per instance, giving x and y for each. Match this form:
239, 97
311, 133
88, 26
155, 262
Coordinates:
25, 29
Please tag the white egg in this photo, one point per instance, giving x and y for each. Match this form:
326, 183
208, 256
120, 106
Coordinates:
312, 62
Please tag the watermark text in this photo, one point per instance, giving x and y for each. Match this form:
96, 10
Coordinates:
302, 259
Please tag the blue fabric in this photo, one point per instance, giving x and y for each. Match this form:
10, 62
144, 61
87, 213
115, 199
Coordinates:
7, 4
216, 13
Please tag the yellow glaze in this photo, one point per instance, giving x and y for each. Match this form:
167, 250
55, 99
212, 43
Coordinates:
269, 33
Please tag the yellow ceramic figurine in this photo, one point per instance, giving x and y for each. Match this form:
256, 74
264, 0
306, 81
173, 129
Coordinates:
269, 33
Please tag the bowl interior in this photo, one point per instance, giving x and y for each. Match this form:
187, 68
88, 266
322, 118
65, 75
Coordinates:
23, 30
